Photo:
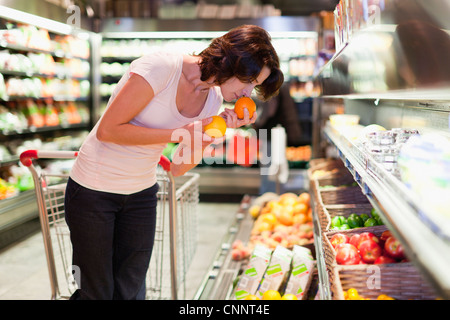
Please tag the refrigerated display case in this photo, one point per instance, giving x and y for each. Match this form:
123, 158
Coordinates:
46, 101
392, 70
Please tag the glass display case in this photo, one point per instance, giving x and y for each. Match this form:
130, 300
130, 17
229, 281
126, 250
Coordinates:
391, 70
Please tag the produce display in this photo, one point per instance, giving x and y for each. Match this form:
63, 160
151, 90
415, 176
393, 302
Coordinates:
7, 190
279, 274
354, 247
32, 37
279, 263
31, 114
352, 294
367, 248
302, 153
283, 220
355, 220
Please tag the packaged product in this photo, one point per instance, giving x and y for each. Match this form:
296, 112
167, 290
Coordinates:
301, 274
253, 273
277, 271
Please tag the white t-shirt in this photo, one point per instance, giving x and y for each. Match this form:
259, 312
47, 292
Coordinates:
127, 169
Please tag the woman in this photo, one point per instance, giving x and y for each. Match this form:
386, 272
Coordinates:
111, 199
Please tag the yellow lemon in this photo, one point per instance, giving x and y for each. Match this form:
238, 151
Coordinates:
289, 296
271, 295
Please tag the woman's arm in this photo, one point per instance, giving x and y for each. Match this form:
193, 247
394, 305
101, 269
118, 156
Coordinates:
129, 102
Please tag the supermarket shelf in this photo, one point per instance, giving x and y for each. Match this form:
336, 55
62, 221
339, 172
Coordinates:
16, 214
426, 244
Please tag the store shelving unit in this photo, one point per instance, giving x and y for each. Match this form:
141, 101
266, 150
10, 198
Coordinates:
62, 76
381, 92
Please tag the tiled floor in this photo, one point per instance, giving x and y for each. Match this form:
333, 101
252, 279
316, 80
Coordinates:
23, 268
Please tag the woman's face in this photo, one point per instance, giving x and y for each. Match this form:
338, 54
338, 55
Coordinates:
233, 88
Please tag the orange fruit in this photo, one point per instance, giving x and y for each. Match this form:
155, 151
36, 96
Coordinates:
270, 218
304, 198
286, 218
299, 218
289, 296
271, 295
244, 103
287, 201
300, 208
216, 128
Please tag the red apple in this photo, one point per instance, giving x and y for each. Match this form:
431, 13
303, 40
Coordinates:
354, 239
384, 259
370, 251
236, 254
347, 254
394, 248
385, 235
339, 238
367, 236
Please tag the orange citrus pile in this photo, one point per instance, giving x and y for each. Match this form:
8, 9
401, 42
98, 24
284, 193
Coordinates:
216, 128
244, 103
285, 220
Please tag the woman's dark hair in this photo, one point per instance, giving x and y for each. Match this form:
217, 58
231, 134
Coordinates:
243, 52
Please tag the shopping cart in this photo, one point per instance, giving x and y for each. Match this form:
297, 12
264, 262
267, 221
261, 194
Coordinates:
175, 237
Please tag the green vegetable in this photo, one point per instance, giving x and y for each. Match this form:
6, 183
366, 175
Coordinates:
379, 221
344, 226
338, 221
364, 217
370, 222
374, 213
354, 221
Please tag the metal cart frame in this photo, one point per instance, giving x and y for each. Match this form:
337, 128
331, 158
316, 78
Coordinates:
50, 202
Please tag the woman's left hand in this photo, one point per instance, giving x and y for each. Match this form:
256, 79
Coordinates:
233, 121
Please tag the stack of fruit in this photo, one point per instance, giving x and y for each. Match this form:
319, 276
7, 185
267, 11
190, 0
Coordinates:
355, 220
7, 190
353, 294
286, 220
367, 248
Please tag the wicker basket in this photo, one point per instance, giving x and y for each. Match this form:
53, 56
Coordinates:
334, 166
400, 281
332, 201
328, 250
342, 195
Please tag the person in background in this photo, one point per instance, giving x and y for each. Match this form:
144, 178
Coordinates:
279, 110
111, 195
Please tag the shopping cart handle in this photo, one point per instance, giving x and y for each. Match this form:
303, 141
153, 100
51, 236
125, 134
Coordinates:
164, 162
27, 156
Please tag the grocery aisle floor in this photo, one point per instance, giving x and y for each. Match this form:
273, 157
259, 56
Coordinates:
23, 268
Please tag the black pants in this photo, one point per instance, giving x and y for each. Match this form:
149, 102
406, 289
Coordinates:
112, 238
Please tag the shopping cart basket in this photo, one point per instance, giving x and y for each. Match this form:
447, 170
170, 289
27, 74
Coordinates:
175, 237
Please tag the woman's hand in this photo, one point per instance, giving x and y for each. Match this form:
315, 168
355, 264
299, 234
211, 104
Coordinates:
233, 121
192, 145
